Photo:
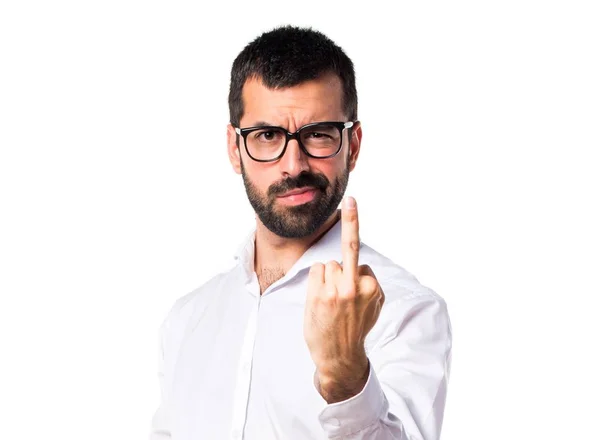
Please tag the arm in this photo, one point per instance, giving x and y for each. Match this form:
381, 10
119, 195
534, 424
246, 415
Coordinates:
397, 390
405, 392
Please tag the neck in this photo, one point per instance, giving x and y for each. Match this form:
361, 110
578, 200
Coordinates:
273, 252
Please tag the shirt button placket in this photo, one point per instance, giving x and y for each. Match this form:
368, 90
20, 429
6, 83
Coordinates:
244, 376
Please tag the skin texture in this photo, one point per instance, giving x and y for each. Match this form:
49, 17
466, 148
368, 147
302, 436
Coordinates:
342, 304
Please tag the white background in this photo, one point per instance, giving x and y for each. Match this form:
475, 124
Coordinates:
478, 173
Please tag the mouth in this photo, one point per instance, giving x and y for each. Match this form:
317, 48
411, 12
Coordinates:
298, 196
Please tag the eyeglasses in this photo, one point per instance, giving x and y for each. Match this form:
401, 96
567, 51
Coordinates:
319, 140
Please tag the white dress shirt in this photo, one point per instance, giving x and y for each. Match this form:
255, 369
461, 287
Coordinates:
234, 365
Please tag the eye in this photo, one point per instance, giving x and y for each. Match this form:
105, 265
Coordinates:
317, 135
322, 132
266, 135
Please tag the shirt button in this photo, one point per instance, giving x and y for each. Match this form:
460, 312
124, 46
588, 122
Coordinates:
236, 434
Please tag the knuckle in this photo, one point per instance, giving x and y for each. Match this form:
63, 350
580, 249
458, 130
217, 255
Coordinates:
368, 284
352, 244
351, 215
332, 266
330, 296
348, 291
316, 268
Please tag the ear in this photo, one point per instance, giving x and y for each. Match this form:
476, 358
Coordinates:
233, 150
354, 147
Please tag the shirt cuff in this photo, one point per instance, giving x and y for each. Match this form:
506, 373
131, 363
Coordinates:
356, 413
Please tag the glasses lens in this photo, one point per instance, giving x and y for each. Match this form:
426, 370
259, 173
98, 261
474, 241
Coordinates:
321, 140
266, 143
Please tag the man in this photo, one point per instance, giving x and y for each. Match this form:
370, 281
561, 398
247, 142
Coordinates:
312, 334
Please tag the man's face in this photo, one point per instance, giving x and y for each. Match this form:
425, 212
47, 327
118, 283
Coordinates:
268, 185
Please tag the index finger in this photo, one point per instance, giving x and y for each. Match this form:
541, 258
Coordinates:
350, 240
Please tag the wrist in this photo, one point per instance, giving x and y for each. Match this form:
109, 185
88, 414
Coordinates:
336, 383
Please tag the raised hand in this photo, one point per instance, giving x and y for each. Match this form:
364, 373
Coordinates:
342, 306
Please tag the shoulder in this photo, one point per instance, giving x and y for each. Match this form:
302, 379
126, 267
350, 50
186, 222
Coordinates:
401, 283
407, 301
184, 310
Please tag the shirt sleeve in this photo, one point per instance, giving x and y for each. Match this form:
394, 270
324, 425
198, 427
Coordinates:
405, 393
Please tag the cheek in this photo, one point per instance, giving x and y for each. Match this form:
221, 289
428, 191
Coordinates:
331, 170
261, 177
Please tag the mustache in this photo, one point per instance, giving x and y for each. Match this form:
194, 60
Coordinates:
318, 181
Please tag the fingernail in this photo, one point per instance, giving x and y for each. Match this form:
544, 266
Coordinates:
350, 202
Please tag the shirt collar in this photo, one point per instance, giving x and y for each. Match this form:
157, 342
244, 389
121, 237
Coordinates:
327, 248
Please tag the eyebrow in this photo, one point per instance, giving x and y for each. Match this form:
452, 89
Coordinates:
270, 124
264, 123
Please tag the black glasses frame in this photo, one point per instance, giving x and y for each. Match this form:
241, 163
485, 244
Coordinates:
244, 132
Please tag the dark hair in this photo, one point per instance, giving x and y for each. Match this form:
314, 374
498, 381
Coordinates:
287, 56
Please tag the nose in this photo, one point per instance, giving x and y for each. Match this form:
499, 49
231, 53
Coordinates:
294, 161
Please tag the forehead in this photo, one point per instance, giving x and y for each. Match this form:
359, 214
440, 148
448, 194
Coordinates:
313, 100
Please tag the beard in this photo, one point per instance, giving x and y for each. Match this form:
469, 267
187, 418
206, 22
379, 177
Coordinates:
297, 221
